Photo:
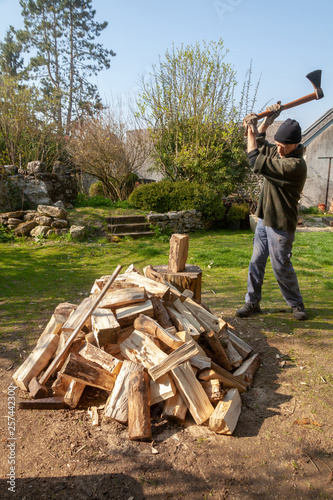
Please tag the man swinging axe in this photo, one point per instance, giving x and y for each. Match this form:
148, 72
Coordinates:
284, 170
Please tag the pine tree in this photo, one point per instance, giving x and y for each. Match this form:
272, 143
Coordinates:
11, 60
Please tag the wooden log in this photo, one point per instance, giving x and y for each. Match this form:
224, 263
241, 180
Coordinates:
161, 389
37, 360
160, 312
213, 389
233, 355
74, 393
226, 414
60, 385
105, 326
186, 313
139, 426
179, 244
242, 347
208, 320
190, 279
227, 379
148, 325
192, 393
91, 339
200, 360
175, 408
183, 353
87, 372
150, 273
53, 326
182, 323
126, 315
150, 285
101, 358
55, 403
76, 317
248, 369
139, 348
116, 406
186, 337
220, 354
93, 414
115, 299
63, 311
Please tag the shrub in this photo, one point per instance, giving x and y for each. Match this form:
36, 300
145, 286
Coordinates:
166, 196
238, 212
96, 189
6, 235
311, 211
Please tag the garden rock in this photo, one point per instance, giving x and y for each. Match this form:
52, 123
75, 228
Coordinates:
14, 222
36, 167
39, 231
25, 228
78, 232
59, 169
30, 215
43, 220
59, 204
59, 224
52, 211
56, 232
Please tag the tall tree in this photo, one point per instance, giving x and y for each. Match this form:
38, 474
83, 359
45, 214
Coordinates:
61, 35
189, 107
11, 60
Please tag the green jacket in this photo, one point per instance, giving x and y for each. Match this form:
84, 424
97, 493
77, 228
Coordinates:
283, 184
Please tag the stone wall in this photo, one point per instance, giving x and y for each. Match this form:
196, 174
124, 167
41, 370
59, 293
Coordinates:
35, 186
179, 222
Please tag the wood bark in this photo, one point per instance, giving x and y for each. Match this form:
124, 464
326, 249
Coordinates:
87, 372
139, 426
160, 312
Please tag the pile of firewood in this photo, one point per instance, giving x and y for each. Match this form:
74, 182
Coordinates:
145, 342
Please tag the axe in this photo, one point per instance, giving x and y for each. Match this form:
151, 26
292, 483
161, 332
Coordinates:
315, 79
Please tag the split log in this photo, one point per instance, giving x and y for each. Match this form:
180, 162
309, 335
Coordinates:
149, 325
37, 360
242, 347
56, 403
183, 353
93, 413
78, 315
186, 313
139, 348
227, 379
114, 299
150, 285
54, 326
219, 353
161, 389
150, 273
192, 392
87, 372
139, 427
248, 369
213, 389
208, 320
200, 360
116, 406
60, 385
179, 244
160, 312
233, 355
190, 279
74, 393
63, 311
105, 327
182, 323
101, 358
127, 315
226, 414
175, 408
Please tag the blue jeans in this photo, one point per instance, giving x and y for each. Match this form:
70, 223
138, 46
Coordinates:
269, 242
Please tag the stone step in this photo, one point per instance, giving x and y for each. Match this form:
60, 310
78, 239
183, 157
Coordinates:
127, 228
328, 221
126, 219
135, 236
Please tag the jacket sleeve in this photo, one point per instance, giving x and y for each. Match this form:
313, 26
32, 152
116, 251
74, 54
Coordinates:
263, 148
282, 172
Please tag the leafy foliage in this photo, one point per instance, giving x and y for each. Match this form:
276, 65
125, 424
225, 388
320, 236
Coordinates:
165, 196
83, 200
238, 212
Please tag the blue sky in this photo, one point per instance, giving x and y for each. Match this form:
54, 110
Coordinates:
285, 40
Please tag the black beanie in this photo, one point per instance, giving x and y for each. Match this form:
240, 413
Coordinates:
289, 132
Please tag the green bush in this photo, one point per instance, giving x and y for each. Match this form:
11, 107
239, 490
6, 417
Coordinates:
238, 212
311, 211
6, 235
96, 189
82, 200
166, 196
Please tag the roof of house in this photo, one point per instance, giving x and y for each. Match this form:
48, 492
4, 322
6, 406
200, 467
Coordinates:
317, 127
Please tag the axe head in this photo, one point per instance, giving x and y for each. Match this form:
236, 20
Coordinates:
315, 79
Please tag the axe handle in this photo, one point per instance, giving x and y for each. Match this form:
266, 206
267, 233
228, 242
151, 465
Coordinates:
292, 104
44, 378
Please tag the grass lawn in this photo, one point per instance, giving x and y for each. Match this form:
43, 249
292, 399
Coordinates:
36, 276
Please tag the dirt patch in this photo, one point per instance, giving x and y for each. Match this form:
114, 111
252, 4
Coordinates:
282, 446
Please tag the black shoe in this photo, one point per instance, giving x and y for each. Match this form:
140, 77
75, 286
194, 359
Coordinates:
299, 312
248, 310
